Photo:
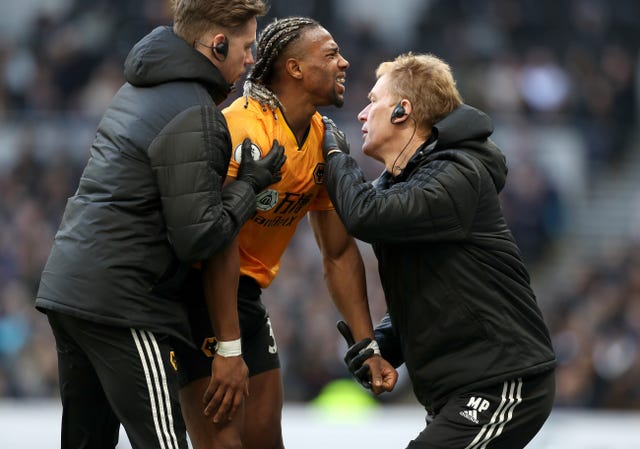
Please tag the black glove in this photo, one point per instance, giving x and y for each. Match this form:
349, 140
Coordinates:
334, 139
356, 355
262, 172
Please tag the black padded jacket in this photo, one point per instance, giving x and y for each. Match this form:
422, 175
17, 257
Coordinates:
462, 312
150, 200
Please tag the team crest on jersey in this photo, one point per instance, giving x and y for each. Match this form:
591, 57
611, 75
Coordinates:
267, 200
318, 173
256, 152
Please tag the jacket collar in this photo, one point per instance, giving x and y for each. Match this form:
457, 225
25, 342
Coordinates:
162, 56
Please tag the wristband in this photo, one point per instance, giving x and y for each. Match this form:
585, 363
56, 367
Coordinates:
373, 345
231, 348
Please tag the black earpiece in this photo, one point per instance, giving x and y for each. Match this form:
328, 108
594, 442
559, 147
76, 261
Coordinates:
222, 48
397, 112
218, 51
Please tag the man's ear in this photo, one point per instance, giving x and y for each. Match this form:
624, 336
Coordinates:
293, 68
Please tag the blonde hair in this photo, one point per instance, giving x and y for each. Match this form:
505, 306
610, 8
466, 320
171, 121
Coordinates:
193, 18
427, 82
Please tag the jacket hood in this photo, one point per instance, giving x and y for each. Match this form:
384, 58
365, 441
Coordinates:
161, 56
468, 129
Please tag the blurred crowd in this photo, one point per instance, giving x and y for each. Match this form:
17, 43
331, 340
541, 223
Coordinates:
559, 78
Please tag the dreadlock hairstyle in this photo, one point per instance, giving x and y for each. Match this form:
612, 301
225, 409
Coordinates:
273, 41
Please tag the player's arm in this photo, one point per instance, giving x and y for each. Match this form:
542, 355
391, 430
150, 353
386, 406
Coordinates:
345, 278
229, 381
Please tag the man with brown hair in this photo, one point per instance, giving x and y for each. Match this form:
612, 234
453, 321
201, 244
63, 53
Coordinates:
149, 204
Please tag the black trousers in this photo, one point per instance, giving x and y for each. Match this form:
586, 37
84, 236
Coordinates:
503, 416
111, 376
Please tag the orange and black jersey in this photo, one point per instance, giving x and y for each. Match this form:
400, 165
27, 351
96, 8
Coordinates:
281, 206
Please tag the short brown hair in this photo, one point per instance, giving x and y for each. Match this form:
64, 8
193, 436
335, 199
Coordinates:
427, 82
193, 18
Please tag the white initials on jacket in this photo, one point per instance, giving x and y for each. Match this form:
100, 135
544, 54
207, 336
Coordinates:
478, 404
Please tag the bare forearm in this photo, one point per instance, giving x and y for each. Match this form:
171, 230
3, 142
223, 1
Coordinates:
346, 281
220, 277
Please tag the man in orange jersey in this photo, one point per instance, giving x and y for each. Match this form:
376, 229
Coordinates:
298, 69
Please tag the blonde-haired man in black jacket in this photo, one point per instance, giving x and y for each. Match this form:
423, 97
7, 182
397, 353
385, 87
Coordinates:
461, 316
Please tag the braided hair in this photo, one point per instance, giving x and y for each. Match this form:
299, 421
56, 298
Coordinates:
273, 40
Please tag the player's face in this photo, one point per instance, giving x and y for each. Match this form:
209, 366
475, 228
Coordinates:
323, 68
240, 55
378, 133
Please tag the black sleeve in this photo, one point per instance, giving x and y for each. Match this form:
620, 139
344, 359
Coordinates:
437, 202
190, 158
388, 342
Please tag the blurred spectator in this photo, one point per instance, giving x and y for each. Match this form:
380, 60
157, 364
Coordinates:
543, 84
596, 329
533, 208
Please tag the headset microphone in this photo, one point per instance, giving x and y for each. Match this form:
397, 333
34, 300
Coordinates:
397, 112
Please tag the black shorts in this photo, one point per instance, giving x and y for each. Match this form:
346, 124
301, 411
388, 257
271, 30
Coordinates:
505, 416
111, 375
259, 348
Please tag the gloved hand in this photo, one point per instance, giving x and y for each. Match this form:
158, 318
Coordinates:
357, 354
262, 172
334, 139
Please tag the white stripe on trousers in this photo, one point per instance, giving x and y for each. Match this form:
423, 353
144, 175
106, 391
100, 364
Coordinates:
511, 396
157, 387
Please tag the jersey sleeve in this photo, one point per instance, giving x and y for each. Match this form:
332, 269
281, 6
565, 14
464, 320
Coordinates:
243, 123
322, 201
